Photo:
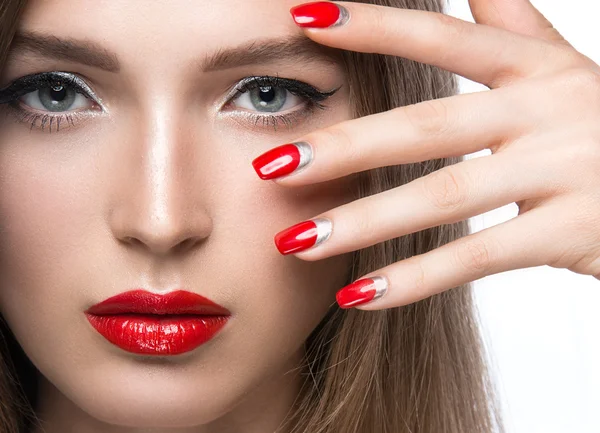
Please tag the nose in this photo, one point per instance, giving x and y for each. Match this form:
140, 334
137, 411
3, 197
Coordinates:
158, 206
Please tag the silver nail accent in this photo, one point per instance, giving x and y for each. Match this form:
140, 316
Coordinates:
306, 155
381, 286
324, 229
343, 18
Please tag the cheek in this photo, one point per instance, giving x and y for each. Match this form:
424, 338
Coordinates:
46, 226
58, 253
309, 282
278, 300
293, 294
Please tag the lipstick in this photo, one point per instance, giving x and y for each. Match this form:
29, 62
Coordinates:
142, 322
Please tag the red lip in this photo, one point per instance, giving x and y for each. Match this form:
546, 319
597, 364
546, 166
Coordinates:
142, 322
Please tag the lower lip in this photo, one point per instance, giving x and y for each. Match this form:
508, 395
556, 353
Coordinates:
155, 334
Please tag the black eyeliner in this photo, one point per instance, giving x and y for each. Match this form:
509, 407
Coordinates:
30, 83
312, 95
296, 87
33, 82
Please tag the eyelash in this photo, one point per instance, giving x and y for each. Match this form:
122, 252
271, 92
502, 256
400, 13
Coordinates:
312, 96
30, 83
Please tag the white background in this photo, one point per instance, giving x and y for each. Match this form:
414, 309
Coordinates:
542, 325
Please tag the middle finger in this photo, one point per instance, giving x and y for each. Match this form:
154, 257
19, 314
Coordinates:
440, 128
448, 195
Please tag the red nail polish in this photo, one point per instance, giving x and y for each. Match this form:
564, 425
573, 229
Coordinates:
303, 235
282, 160
277, 162
361, 291
319, 14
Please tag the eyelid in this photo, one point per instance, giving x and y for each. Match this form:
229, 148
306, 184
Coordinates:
33, 82
236, 90
24, 85
11, 96
294, 86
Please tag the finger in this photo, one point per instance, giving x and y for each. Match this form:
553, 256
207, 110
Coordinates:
485, 54
439, 128
521, 242
453, 193
519, 16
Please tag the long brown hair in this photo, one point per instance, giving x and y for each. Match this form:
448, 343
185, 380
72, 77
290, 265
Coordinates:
418, 368
16, 412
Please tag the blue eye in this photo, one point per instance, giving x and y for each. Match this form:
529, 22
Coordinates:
268, 99
264, 90
56, 99
55, 89
260, 96
63, 97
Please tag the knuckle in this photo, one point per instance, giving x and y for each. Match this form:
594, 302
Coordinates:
336, 137
429, 118
575, 254
386, 32
582, 83
364, 224
445, 189
569, 57
420, 284
580, 153
453, 28
476, 256
579, 226
559, 56
573, 94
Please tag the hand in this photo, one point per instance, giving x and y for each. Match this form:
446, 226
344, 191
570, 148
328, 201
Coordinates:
541, 120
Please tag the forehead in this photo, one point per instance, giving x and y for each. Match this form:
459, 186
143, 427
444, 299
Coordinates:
171, 30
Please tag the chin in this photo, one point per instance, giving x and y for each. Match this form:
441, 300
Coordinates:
154, 397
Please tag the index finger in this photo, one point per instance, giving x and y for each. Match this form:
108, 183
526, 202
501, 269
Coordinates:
486, 54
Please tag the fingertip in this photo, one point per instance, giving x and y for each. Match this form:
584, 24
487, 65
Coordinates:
319, 15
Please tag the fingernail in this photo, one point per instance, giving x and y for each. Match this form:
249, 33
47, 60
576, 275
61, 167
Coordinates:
303, 235
361, 291
283, 160
320, 14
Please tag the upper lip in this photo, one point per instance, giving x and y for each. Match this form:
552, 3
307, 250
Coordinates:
145, 302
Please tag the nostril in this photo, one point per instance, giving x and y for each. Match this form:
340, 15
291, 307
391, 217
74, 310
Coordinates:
184, 245
130, 240
181, 247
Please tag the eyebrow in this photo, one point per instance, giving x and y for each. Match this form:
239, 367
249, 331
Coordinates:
78, 51
292, 48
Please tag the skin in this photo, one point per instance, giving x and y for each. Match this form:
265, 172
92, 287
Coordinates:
544, 157
106, 206
539, 120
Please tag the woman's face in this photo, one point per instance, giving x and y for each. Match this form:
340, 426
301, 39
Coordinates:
152, 186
